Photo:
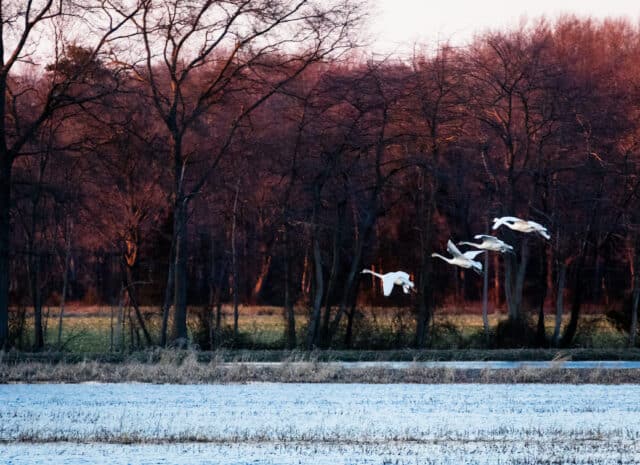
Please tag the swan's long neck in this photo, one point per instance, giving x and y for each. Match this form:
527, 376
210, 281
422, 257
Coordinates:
448, 260
477, 246
373, 273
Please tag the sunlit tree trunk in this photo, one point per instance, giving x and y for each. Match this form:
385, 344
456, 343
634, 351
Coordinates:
265, 266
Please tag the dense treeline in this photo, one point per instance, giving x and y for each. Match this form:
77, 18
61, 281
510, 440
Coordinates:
185, 158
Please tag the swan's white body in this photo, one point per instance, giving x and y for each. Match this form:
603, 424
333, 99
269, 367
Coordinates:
489, 243
464, 260
390, 279
517, 224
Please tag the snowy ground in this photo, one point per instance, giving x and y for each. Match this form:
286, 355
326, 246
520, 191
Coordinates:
319, 423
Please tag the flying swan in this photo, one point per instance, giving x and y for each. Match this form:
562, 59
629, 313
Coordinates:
521, 225
489, 243
390, 279
464, 260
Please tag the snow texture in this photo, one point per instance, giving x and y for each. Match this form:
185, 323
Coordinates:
319, 423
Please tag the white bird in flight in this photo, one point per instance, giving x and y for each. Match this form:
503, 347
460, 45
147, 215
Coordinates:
390, 279
521, 225
489, 243
464, 260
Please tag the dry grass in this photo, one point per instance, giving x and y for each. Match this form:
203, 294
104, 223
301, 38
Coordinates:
400, 355
185, 368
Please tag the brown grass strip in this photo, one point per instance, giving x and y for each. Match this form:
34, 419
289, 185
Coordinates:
188, 370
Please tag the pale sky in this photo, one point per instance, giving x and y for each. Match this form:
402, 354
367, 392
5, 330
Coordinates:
397, 24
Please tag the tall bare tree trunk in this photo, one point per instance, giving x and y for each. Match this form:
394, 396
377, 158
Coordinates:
133, 300
179, 330
65, 280
318, 282
541, 336
427, 203
520, 277
576, 304
33, 272
485, 297
6, 162
120, 322
179, 334
168, 294
132, 338
348, 337
337, 238
633, 329
351, 281
562, 275
222, 274
289, 314
496, 281
234, 262
211, 288
111, 330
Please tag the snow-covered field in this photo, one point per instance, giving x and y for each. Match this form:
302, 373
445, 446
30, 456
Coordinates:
319, 423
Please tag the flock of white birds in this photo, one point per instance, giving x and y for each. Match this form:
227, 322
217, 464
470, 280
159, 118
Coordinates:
465, 259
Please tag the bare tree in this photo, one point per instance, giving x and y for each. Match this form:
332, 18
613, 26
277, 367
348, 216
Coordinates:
21, 28
507, 76
375, 163
635, 293
437, 96
68, 232
125, 198
239, 45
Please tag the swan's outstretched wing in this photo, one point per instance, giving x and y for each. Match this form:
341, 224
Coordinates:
402, 275
483, 237
536, 225
453, 250
477, 267
498, 242
497, 222
387, 286
471, 254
